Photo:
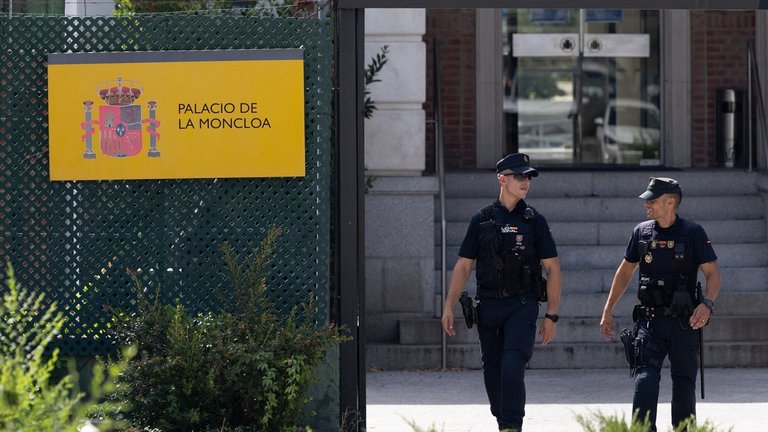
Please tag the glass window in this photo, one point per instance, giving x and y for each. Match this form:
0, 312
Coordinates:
581, 86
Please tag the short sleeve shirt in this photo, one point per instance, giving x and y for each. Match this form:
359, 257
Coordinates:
514, 233
698, 242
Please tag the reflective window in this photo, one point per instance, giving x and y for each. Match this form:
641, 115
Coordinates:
581, 86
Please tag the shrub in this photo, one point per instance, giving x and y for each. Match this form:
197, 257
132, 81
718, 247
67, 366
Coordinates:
241, 368
598, 422
30, 399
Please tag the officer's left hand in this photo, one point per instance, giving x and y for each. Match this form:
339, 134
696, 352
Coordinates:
700, 317
547, 331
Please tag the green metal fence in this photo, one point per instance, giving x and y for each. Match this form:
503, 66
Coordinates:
75, 240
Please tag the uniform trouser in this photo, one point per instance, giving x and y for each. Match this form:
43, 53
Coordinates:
507, 332
662, 336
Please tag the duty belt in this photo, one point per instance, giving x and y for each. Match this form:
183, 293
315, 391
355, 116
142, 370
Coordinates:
493, 293
641, 312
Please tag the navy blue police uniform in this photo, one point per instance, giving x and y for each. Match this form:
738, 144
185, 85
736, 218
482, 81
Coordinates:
508, 247
669, 260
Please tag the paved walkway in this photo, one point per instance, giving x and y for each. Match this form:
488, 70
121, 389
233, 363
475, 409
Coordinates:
455, 401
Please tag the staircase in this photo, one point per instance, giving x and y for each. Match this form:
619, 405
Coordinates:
591, 215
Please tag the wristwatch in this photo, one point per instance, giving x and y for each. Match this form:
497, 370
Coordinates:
710, 304
553, 317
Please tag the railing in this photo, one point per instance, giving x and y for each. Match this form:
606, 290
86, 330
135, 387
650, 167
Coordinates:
440, 162
753, 79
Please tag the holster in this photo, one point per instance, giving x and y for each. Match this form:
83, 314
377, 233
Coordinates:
628, 338
468, 309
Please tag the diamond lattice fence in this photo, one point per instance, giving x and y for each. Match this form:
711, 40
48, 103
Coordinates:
75, 240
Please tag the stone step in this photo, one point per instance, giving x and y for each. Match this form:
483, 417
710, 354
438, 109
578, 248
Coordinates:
614, 209
556, 355
738, 303
722, 328
728, 255
617, 233
737, 255
611, 354
599, 280
589, 305
592, 215
553, 183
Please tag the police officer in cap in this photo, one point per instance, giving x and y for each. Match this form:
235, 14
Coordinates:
511, 243
669, 251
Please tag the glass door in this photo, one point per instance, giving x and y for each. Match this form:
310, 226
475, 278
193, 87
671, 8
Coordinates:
582, 85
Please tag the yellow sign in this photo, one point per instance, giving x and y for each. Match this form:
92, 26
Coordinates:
176, 114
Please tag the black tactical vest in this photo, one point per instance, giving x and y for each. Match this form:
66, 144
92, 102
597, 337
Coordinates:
666, 264
506, 268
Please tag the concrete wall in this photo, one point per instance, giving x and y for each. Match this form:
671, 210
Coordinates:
394, 137
399, 208
399, 254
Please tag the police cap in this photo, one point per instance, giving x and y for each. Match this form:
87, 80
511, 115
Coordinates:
658, 186
516, 163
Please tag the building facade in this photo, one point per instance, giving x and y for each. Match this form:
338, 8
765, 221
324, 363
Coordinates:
581, 91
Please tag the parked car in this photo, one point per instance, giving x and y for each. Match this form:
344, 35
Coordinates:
629, 131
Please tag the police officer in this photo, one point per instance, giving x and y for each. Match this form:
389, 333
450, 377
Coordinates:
669, 251
511, 243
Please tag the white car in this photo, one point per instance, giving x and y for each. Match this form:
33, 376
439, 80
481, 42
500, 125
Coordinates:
629, 131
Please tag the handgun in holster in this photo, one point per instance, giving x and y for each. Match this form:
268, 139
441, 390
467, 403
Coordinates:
628, 340
468, 309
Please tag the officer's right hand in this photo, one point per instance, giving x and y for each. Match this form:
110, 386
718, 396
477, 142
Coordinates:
606, 325
448, 322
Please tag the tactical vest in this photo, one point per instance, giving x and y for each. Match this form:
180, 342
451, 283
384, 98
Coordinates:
667, 265
505, 270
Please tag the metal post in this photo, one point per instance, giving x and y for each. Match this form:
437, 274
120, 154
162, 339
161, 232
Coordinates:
350, 263
761, 111
441, 178
575, 112
749, 107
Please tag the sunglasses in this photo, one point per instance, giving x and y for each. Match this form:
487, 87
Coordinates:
519, 176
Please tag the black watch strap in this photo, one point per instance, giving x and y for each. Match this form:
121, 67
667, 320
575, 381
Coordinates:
709, 304
553, 317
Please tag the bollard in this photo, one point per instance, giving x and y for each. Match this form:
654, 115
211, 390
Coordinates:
729, 110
